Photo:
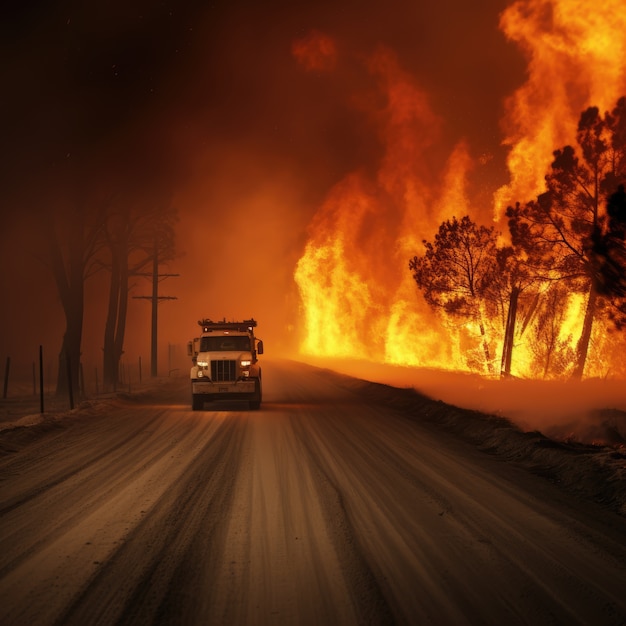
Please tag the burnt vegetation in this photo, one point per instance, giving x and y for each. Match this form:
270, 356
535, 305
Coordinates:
566, 246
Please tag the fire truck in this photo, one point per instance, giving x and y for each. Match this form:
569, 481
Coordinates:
225, 363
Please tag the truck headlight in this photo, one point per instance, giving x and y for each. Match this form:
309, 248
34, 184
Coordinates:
246, 363
203, 364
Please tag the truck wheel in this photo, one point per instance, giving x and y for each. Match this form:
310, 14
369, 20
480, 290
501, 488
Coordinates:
197, 403
255, 404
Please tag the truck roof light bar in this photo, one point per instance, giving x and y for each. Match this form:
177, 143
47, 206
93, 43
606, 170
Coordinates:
244, 326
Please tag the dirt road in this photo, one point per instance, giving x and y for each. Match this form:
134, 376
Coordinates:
319, 509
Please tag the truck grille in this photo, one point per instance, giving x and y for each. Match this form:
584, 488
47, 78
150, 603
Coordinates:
223, 371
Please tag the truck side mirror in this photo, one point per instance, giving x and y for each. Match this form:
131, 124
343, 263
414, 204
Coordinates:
190, 348
259, 347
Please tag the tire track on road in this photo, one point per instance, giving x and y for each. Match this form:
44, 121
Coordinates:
140, 582
367, 594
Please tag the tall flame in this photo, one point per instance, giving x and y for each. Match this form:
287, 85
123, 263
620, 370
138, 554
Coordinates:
357, 294
576, 59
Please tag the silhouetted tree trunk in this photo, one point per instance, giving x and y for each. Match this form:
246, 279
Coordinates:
509, 332
582, 348
69, 275
485, 341
115, 326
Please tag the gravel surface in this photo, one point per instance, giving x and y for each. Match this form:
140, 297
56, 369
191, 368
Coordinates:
341, 502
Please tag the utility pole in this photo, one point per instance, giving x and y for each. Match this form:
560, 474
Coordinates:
155, 298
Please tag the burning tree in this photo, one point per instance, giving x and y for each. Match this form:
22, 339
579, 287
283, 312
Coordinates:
511, 281
553, 353
466, 273
457, 271
560, 230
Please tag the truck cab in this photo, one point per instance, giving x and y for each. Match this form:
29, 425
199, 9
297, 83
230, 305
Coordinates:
225, 363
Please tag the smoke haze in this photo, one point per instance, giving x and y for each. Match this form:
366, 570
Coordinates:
216, 104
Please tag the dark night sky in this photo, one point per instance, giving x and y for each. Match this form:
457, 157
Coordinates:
84, 76
206, 100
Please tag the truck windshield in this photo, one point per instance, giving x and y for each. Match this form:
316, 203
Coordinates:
224, 343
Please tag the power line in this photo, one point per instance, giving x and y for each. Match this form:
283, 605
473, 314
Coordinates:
155, 298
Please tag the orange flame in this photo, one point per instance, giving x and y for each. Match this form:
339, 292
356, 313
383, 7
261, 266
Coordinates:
576, 59
358, 298
357, 294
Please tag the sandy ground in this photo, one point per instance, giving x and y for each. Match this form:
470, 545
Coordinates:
339, 502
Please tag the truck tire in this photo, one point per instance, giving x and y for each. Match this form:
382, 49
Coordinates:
255, 404
197, 403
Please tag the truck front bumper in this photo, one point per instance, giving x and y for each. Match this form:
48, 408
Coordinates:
226, 390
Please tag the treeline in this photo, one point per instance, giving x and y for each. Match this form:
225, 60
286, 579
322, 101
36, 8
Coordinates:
105, 223
566, 245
